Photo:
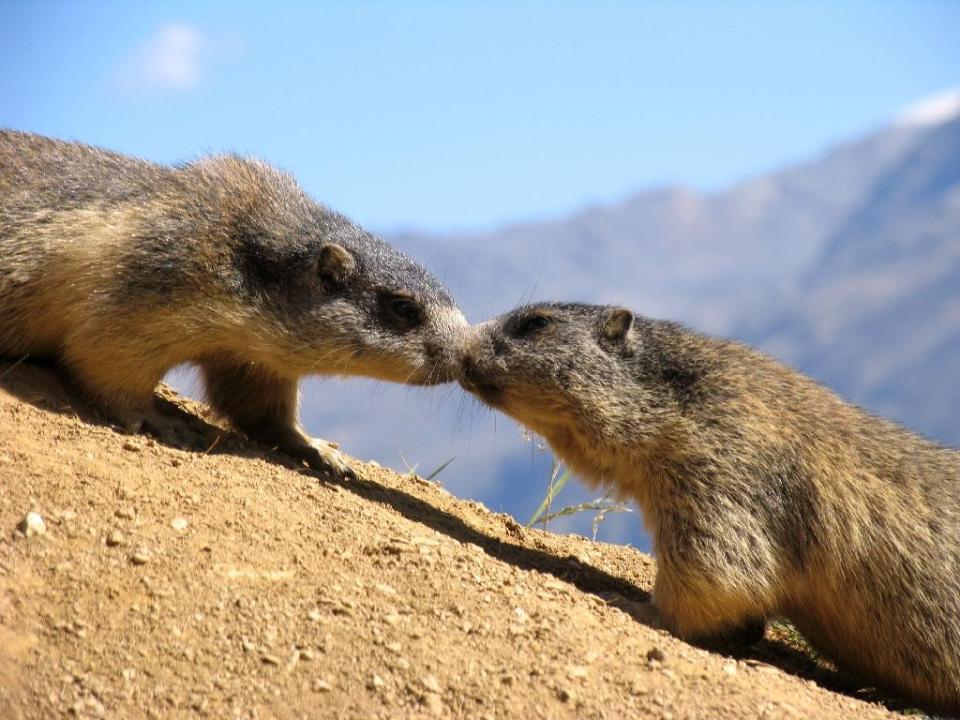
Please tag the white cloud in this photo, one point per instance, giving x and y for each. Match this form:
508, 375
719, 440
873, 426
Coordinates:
172, 59
933, 110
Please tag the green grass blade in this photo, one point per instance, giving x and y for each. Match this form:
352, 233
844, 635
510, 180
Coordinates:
554, 488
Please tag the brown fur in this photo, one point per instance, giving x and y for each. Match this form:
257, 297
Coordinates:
122, 269
764, 493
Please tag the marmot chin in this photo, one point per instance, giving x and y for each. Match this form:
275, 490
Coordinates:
121, 269
765, 494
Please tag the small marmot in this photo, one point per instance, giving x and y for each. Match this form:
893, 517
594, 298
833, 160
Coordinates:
121, 269
764, 493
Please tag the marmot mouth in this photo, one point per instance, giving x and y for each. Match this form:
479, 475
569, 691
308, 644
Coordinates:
486, 391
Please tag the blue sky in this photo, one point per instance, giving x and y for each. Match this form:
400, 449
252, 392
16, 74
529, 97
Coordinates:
461, 115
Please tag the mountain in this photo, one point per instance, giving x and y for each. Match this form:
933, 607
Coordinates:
846, 267
877, 315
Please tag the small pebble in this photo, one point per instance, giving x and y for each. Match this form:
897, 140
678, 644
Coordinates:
132, 446
179, 524
32, 525
68, 516
141, 556
655, 654
434, 704
321, 685
431, 684
115, 538
126, 513
730, 667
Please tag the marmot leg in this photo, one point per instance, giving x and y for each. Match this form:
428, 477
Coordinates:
707, 617
121, 385
264, 406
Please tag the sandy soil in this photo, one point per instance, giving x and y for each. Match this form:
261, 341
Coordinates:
202, 576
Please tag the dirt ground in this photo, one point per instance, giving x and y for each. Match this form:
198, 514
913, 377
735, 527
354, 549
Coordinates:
202, 576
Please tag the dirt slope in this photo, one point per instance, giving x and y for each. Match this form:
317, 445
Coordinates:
200, 576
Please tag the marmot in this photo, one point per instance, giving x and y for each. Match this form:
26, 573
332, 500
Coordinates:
764, 493
121, 269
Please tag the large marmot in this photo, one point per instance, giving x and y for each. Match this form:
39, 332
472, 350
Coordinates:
765, 494
122, 269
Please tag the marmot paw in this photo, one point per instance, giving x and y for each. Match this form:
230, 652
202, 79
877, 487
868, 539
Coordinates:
325, 458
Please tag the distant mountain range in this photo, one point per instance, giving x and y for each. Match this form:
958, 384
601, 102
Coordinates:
847, 267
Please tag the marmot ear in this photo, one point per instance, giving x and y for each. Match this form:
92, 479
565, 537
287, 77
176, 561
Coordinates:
615, 325
335, 264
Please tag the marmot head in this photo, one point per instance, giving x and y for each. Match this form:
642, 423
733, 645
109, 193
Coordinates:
327, 296
389, 317
562, 369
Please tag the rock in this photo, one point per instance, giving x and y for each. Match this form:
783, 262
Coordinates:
32, 525
516, 630
115, 538
126, 513
433, 704
424, 541
132, 445
655, 654
576, 672
730, 667
179, 524
376, 683
321, 685
637, 688
141, 556
431, 684
67, 516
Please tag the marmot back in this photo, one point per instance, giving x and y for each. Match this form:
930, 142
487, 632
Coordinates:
764, 493
121, 269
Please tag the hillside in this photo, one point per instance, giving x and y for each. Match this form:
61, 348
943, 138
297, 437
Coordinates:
200, 576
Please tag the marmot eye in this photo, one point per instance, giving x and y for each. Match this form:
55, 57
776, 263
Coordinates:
404, 308
532, 324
